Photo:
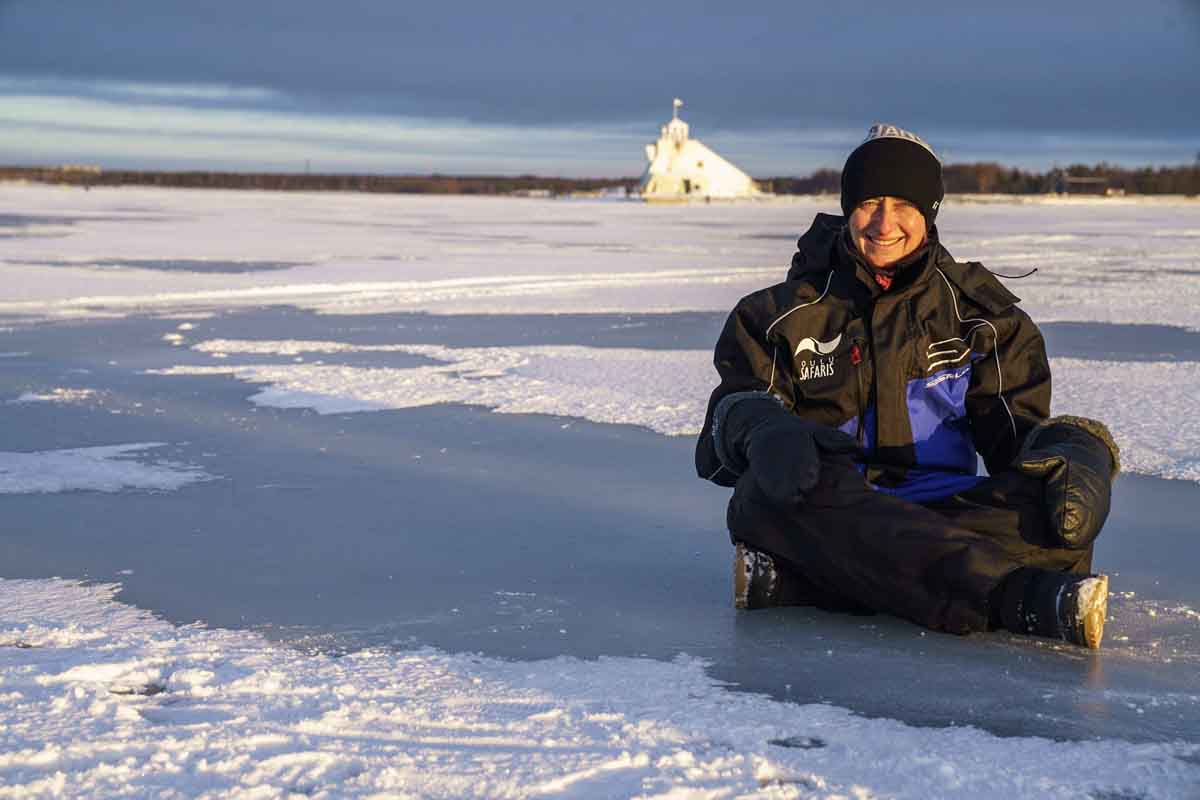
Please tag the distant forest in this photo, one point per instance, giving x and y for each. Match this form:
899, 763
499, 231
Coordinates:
983, 178
988, 178
304, 182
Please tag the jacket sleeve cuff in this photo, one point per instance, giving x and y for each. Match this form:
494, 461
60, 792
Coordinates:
1092, 426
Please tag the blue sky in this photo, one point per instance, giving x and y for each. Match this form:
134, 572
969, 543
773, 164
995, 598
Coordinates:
573, 89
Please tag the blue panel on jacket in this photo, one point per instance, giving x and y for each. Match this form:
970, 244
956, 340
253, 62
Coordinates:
943, 444
937, 412
925, 486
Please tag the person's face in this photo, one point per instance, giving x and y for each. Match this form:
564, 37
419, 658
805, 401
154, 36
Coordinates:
886, 229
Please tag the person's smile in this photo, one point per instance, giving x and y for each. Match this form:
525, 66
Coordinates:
886, 229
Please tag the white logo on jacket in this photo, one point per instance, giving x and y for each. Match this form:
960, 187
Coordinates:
809, 344
820, 368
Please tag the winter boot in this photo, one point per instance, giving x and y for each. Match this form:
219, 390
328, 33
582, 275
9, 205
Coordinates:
1057, 605
755, 580
761, 580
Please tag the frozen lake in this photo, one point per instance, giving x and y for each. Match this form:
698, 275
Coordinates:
368, 440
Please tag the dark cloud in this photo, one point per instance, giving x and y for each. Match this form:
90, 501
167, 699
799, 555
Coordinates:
1013, 66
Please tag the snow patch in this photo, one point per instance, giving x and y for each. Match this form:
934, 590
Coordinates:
291, 347
1148, 405
101, 699
665, 390
97, 469
59, 395
610, 291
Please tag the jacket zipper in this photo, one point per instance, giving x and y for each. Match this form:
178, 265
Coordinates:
869, 322
857, 356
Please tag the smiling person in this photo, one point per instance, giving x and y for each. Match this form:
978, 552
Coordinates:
855, 401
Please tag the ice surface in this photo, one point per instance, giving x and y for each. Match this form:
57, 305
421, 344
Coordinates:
141, 707
523, 536
97, 469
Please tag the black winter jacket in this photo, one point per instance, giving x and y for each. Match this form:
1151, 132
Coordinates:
938, 368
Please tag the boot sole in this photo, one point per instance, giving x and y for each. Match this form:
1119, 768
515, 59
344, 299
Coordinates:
1092, 611
741, 578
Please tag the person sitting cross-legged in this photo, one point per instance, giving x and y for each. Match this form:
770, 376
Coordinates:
855, 400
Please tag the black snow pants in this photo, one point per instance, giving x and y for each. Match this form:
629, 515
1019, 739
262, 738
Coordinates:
851, 548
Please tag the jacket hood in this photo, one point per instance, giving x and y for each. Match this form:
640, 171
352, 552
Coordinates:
814, 249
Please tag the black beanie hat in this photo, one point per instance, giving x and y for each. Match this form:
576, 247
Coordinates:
892, 162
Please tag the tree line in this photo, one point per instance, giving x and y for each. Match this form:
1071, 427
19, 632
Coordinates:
305, 182
978, 178
991, 178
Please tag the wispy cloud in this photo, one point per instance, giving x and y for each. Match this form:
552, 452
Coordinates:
131, 91
121, 124
143, 128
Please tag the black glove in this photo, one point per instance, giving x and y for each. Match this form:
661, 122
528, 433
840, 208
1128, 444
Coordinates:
1077, 460
781, 450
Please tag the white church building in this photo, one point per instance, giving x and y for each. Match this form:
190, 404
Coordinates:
682, 168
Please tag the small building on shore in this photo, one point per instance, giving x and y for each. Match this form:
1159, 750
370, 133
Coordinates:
682, 168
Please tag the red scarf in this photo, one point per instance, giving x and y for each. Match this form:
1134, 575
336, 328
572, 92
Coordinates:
884, 276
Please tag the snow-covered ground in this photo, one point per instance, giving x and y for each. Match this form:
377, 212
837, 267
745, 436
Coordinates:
104, 699
1108, 260
216, 322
